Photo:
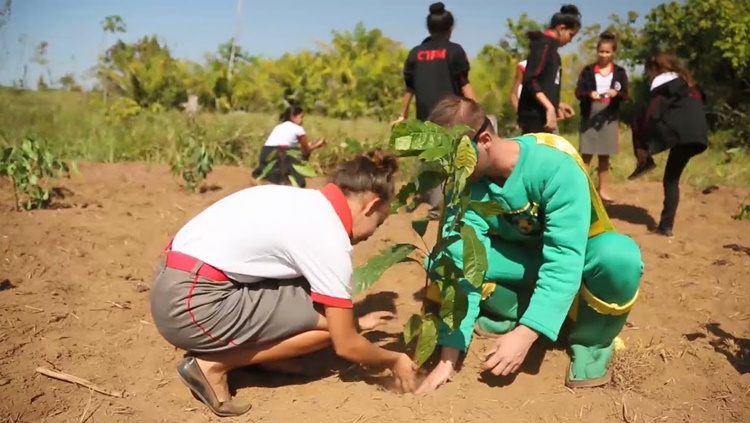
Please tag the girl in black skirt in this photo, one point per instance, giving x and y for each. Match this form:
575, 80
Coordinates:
539, 106
674, 119
276, 164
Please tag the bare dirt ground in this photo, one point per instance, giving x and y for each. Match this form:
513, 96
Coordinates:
74, 286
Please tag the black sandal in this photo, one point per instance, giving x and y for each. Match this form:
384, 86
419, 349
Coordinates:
192, 376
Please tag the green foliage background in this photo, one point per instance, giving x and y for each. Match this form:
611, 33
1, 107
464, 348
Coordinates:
135, 112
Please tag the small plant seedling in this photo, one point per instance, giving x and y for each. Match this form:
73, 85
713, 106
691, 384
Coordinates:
192, 161
27, 165
744, 211
449, 159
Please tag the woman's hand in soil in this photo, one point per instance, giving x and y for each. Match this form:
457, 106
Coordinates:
405, 372
510, 351
372, 320
442, 373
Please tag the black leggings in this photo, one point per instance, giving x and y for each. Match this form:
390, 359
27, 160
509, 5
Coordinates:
678, 158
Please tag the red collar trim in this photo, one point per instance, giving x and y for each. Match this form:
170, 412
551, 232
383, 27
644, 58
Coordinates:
336, 197
598, 69
550, 34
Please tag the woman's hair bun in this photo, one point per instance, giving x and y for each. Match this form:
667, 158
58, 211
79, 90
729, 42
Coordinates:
437, 8
382, 160
607, 35
570, 9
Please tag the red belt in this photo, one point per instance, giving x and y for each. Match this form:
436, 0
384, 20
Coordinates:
186, 263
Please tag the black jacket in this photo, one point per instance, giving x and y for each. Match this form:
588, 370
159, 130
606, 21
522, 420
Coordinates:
434, 69
543, 74
674, 115
587, 84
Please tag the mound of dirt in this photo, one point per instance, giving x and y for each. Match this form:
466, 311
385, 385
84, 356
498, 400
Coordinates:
74, 284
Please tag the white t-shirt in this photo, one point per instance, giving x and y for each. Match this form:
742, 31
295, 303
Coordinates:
285, 134
522, 68
603, 83
280, 232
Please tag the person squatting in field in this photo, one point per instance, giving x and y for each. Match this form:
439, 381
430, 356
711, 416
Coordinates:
435, 68
602, 87
672, 118
539, 106
287, 135
553, 254
249, 281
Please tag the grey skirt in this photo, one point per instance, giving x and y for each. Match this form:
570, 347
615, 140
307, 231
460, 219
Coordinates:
600, 134
208, 314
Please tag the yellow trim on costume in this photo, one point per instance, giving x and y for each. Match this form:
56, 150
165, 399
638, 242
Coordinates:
599, 306
603, 223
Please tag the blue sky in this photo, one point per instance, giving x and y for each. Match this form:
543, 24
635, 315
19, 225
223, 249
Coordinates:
193, 27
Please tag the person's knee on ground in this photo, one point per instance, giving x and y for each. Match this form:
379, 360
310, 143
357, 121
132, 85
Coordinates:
611, 278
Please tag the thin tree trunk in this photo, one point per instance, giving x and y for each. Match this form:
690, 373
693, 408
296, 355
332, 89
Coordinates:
234, 40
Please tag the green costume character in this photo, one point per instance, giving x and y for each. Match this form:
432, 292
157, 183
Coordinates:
552, 254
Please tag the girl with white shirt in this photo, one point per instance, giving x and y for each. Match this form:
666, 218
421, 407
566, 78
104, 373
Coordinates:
673, 118
287, 135
601, 89
248, 282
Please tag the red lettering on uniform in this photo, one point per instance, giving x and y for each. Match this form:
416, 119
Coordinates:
430, 55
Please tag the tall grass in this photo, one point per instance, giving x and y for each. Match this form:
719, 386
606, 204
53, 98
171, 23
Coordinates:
78, 126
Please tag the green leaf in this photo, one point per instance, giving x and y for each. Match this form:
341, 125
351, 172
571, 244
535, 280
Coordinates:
435, 153
365, 276
454, 304
267, 169
420, 226
466, 157
427, 341
294, 153
474, 256
412, 328
305, 170
487, 209
414, 137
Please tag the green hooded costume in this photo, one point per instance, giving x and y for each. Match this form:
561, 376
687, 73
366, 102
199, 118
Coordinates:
553, 253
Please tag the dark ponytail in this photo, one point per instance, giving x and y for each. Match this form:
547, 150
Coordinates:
439, 21
290, 112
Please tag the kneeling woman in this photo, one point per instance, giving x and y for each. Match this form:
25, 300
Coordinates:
276, 164
247, 281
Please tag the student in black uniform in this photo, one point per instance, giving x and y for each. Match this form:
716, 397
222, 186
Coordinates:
435, 68
539, 106
674, 119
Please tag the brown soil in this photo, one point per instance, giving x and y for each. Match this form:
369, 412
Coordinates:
74, 286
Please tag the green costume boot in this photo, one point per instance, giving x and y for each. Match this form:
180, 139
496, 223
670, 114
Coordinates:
611, 276
500, 312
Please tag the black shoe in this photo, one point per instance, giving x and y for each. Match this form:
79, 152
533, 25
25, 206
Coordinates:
643, 168
663, 230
